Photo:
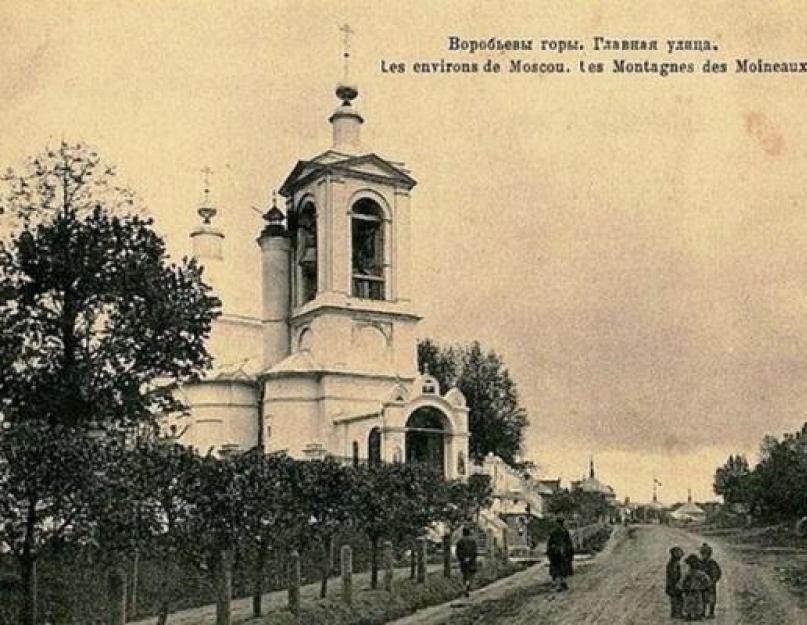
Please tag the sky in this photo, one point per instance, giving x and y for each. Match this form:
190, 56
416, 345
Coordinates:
634, 247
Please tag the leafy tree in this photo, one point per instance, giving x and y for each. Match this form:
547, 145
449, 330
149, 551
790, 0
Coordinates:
272, 516
441, 362
496, 419
733, 480
94, 316
584, 506
778, 479
461, 501
480, 492
394, 501
217, 519
322, 498
94, 313
45, 475
163, 472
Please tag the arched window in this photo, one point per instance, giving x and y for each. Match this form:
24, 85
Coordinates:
306, 253
374, 447
367, 238
355, 453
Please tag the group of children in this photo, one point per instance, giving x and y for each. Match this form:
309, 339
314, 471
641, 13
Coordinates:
693, 596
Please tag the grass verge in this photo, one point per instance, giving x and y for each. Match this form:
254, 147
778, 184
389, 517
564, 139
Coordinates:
375, 607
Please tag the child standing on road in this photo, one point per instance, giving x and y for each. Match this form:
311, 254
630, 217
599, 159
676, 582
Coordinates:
673, 584
694, 584
712, 569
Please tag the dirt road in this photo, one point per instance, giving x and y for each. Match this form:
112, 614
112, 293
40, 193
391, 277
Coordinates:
624, 587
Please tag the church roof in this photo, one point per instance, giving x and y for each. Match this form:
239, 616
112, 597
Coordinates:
298, 362
689, 509
593, 485
368, 166
244, 370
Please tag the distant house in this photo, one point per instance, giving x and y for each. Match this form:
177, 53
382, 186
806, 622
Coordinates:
591, 484
689, 512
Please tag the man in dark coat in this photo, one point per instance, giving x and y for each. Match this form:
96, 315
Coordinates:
560, 551
466, 554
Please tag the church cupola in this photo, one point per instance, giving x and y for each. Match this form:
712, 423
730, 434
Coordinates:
275, 257
274, 219
207, 239
346, 121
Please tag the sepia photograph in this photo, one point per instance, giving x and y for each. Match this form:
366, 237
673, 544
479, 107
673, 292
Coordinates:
412, 313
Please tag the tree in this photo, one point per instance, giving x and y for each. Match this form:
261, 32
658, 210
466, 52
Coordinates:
441, 362
496, 420
481, 492
94, 317
733, 480
271, 512
778, 479
322, 498
94, 313
162, 472
394, 501
584, 506
45, 475
218, 517
461, 501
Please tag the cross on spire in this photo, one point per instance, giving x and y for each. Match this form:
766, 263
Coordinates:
346, 31
206, 210
207, 172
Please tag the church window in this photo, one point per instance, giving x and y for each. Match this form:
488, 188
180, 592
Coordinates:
374, 447
307, 253
367, 237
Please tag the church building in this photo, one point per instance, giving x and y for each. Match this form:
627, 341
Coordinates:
330, 365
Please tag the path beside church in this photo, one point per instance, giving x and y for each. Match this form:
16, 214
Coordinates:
272, 602
623, 586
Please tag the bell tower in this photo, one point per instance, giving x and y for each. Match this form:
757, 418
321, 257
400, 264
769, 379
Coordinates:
342, 379
348, 220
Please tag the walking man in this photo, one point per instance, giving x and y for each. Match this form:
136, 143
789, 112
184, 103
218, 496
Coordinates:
560, 551
466, 554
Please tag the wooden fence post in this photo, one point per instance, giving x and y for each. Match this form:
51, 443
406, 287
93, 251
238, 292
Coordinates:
491, 545
421, 560
294, 582
347, 574
117, 596
224, 590
389, 565
447, 555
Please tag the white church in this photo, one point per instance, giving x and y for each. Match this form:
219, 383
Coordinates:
330, 366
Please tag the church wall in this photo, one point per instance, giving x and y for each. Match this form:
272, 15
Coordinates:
236, 340
292, 413
223, 413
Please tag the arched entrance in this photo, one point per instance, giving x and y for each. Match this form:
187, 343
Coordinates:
425, 438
